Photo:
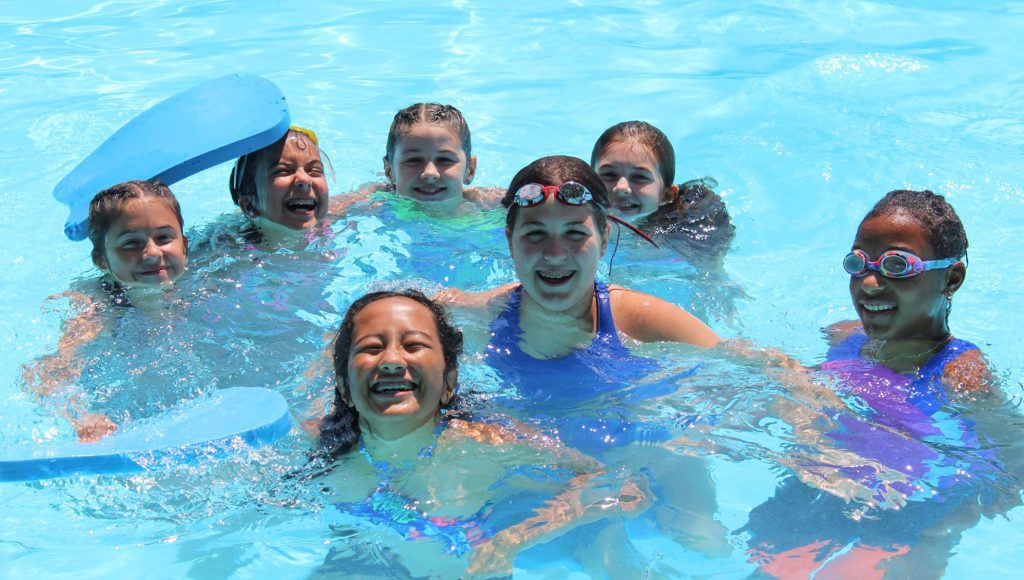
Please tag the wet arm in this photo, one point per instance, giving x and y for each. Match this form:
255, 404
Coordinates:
650, 319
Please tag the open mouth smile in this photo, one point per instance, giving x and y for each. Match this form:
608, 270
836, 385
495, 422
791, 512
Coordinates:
301, 205
556, 277
390, 387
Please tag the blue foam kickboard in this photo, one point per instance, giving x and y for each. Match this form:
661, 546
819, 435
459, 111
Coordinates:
212, 427
204, 126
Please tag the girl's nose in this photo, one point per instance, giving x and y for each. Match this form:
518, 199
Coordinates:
554, 250
430, 171
303, 180
151, 250
872, 282
391, 367
391, 362
621, 187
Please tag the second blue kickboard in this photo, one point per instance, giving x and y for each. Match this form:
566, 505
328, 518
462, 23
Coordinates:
194, 130
225, 422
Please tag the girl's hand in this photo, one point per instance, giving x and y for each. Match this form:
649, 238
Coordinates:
493, 558
93, 427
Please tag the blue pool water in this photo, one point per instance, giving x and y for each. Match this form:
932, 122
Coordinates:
804, 112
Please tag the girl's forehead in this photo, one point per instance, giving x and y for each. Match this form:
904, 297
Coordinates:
554, 213
629, 151
426, 131
894, 230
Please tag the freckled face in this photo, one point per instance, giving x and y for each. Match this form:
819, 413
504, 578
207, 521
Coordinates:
900, 308
145, 246
291, 189
633, 178
556, 249
429, 164
396, 371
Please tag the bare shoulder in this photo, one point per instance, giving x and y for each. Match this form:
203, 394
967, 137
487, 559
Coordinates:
337, 204
650, 319
840, 331
495, 299
486, 198
968, 375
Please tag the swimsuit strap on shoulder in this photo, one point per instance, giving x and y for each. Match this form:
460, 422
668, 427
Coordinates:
936, 366
606, 331
848, 349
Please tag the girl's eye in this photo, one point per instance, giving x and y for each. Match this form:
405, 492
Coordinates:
534, 237
372, 348
412, 161
132, 245
609, 177
577, 235
446, 161
642, 179
415, 346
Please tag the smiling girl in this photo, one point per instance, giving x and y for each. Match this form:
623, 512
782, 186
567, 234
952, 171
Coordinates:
637, 163
414, 466
139, 246
557, 228
282, 187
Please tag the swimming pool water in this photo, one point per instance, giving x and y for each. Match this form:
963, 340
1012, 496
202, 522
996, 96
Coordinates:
805, 113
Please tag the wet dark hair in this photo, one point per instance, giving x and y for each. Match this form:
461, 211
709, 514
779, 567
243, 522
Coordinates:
434, 113
339, 431
643, 134
556, 170
946, 232
106, 207
244, 185
697, 224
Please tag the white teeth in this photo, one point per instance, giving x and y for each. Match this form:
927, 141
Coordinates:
877, 307
392, 387
556, 274
302, 204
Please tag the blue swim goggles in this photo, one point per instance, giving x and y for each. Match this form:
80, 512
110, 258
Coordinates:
892, 264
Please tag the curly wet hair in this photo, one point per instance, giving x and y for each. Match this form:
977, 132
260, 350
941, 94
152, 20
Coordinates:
946, 232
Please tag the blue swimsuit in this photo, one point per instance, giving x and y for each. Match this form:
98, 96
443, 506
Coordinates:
605, 365
604, 368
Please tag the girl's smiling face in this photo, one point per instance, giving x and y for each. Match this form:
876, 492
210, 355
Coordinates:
902, 308
145, 245
429, 164
556, 249
396, 369
636, 187
291, 188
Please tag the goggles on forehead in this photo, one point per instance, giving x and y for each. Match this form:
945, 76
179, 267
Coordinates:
892, 264
569, 193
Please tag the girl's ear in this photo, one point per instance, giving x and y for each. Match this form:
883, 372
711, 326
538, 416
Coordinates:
508, 238
670, 195
389, 173
99, 261
606, 236
955, 278
451, 379
184, 243
470, 170
247, 206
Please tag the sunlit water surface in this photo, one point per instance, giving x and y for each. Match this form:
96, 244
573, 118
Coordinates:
805, 113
